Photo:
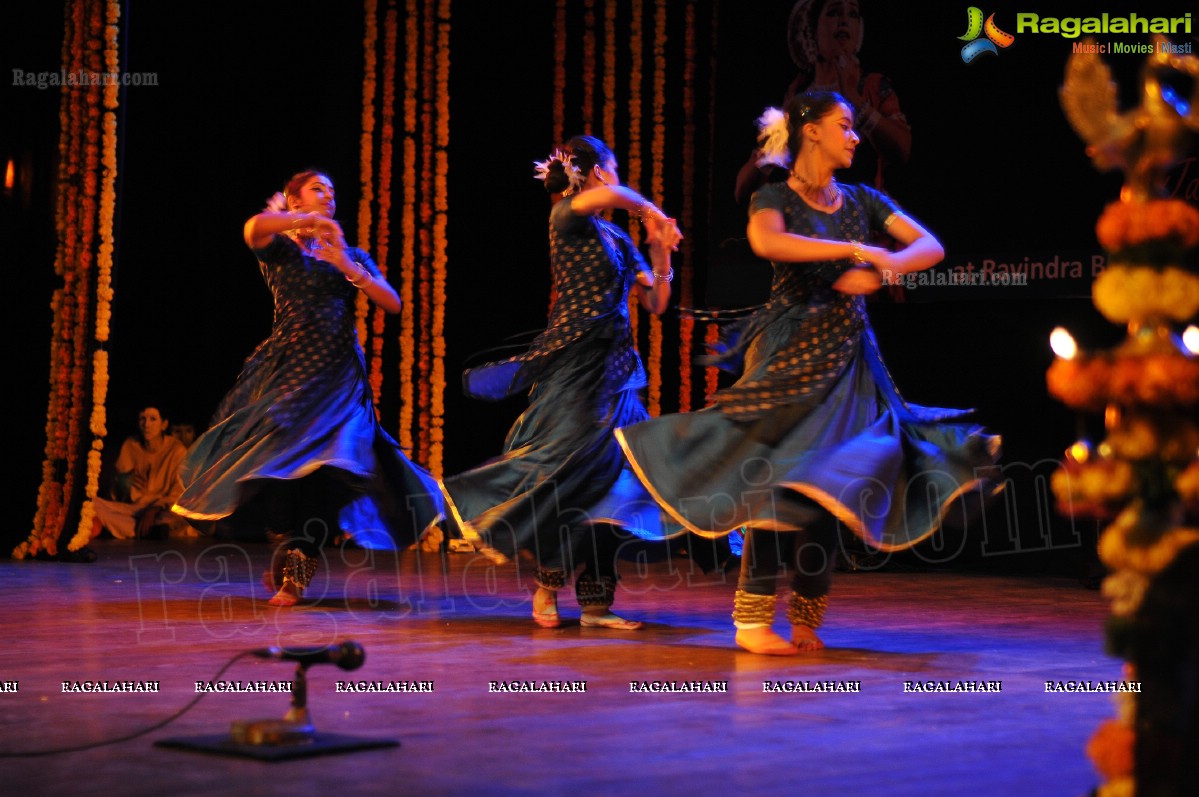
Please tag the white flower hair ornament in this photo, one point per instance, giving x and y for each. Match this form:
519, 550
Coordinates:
574, 175
773, 135
277, 203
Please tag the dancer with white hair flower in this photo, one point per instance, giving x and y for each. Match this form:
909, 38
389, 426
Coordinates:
814, 433
561, 489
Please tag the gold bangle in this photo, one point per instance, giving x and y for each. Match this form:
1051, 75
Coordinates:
363, 279
646, 207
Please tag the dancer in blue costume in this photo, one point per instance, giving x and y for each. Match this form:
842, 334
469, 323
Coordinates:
814, 432
297, 438
561, 484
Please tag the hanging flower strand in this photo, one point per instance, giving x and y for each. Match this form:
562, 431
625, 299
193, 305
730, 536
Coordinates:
104, 294
383, 234
686, 299
440, 220
408, 232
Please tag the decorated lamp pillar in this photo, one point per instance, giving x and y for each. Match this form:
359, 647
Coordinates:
1142, 479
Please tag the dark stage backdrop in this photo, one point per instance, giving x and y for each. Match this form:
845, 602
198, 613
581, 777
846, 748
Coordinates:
248, 93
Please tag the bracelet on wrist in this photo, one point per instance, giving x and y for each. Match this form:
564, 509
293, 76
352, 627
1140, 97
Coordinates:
362, 279
667, 277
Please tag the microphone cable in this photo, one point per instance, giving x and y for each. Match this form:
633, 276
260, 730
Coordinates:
93, 745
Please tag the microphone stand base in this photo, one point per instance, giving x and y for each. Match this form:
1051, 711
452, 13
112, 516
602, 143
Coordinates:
317, 745
271, 732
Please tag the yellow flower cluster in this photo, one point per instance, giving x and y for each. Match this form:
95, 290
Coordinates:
1187, 486
1166, 436
1126, 293
1092, 489
1119, 553
1125, 589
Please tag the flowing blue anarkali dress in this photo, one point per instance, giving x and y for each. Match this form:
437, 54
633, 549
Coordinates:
561, 489
302, 405
814, 427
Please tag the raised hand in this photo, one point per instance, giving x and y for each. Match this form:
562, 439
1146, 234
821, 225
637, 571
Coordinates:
663, 231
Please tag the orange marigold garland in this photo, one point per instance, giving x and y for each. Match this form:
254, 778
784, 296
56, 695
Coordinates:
588, 65
408, 230
559, 100
1168, 222
104, 293
83, 214
636, 48
383, 230
657, 190
425, 359
711, 373
366, 157
609, 99
87, 256
366, 140
441, 208
1091, 382
46, 524
686, 297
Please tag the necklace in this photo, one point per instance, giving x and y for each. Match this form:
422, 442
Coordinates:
824, 195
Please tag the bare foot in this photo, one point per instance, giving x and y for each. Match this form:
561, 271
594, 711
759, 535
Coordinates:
287, 595
763, 641
805, 639
602, 618
545, 608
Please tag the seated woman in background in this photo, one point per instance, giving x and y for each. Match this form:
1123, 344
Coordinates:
147, 483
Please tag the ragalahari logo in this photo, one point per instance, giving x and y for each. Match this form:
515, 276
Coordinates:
976, 27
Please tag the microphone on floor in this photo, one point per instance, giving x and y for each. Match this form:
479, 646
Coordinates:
348, 655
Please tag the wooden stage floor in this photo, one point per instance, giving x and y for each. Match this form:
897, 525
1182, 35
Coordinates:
175, 612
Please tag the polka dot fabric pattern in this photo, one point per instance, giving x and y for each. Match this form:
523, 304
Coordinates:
594, 264
302, 403
815, 426
803, 338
